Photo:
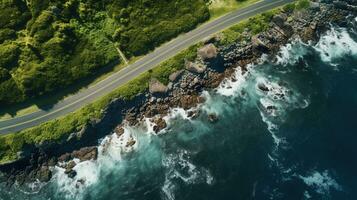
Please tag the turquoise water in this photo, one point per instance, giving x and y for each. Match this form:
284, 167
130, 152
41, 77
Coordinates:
297, 141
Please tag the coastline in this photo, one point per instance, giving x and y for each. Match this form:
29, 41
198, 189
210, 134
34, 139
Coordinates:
207, 71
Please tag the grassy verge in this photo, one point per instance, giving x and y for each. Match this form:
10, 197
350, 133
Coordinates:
257, 24
57, 130
218, 8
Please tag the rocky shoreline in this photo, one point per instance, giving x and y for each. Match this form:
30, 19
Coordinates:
213, 64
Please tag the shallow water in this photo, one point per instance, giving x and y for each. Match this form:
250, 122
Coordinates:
295, 141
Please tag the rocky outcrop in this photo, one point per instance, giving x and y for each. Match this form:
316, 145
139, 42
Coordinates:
156, 87
160, 124
195, 67
175, 76
209, 51
86, 153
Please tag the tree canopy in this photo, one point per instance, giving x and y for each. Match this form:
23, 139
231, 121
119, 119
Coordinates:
49, 44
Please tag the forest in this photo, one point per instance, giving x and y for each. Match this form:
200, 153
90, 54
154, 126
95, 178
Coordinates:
46, 45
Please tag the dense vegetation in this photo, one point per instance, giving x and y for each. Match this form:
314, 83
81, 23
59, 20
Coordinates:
49, 44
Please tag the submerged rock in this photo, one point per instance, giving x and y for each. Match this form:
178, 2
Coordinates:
263, 87
213, 118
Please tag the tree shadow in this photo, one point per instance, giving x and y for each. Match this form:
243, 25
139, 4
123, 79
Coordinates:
48, 100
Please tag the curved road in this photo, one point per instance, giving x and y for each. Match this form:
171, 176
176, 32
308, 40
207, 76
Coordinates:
151, 60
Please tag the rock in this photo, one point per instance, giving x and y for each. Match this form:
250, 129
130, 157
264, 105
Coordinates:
189, 101
52, 162
160, 124
119, 131
263, 87
208, 52
279, 20
156, 87
72, 174
175, 76
195, 67
282, 26
193, 114
131, 142
315, 6
87, 153
69, 167
259, 44
64, 158
213, 118
44, 174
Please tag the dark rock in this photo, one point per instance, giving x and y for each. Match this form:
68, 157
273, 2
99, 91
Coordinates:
130, 143
119, 131
72, 174
44, 174
160, 124
193, 114
64, 158
263, 87
86, 153
213, 118
189, 101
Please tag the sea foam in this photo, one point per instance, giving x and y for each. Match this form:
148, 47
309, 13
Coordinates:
336, 44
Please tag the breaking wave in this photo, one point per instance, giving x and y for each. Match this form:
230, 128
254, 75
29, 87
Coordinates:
336, 44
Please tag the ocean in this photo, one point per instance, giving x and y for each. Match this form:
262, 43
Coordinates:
286, 129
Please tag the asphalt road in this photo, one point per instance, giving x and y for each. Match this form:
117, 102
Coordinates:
150, 61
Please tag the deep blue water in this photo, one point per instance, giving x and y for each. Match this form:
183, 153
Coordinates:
303, 147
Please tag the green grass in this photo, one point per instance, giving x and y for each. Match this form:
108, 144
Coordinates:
221, 7
252, 25
258, 23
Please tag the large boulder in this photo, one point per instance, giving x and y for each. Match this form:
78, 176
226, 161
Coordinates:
208, 52
160, 124
44, 174
282, 26
156, 87
195, 67
175, 76
87, 153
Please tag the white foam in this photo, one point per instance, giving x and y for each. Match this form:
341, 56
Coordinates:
321, 182
231, 86
291, 52
336, 44
110, 152
149, 125
179, 167
31, 188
